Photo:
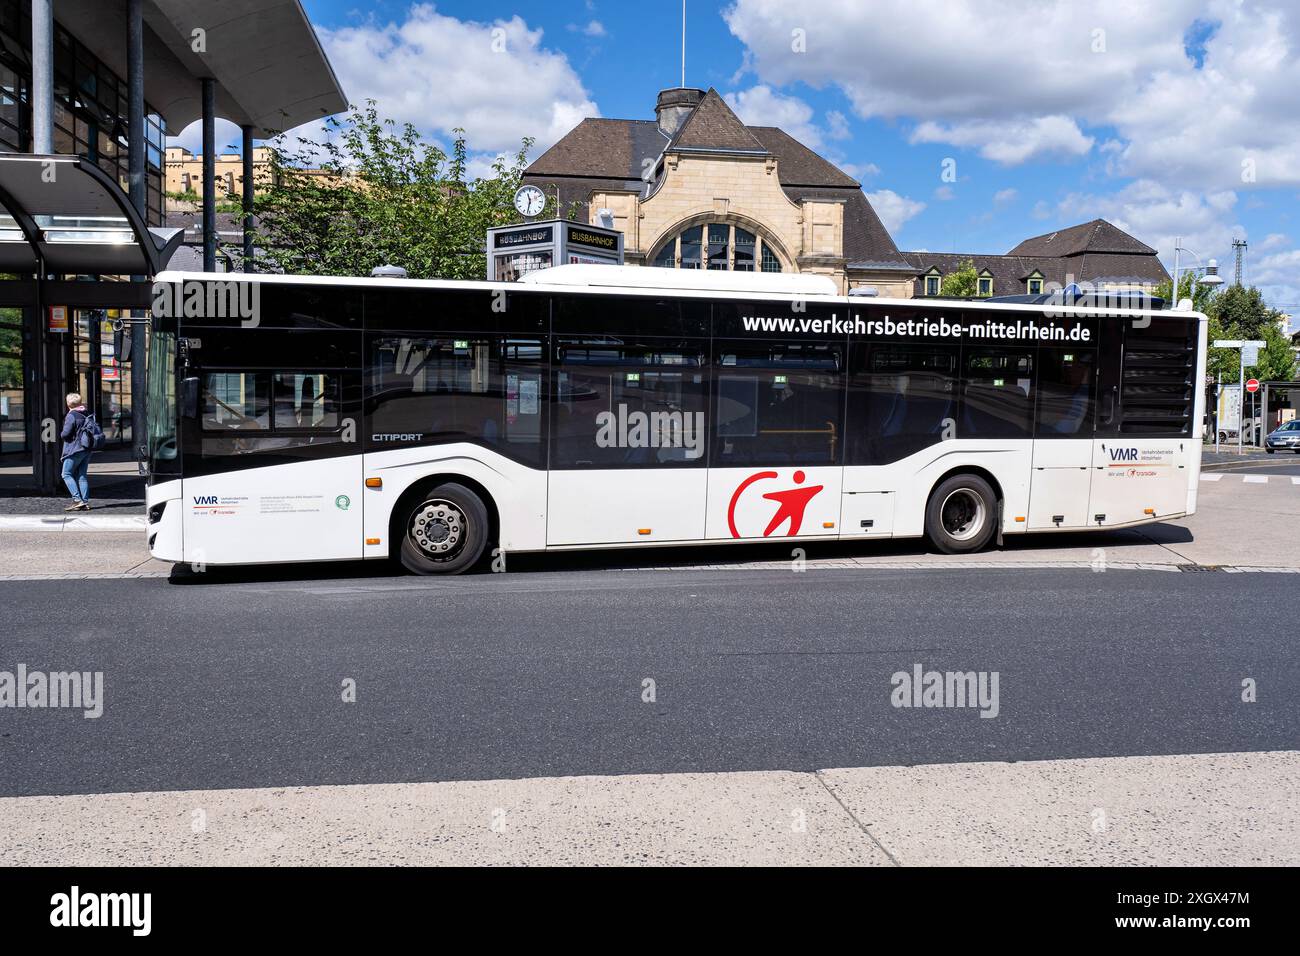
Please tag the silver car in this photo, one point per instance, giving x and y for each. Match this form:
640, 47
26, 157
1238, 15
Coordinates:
1286, 437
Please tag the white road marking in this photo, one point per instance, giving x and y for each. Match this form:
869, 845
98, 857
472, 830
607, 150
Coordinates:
1214, 477
1255, 479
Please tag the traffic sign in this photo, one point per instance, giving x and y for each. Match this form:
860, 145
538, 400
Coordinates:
1252, 385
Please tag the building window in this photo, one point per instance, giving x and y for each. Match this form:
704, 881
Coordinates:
717, 246
692, 248
932, 285
985, 284
1036, 286
745, 243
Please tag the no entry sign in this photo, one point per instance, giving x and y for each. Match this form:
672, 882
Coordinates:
1252, 385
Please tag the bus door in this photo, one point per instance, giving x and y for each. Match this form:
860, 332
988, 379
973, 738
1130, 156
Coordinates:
1061, 481
777, 443
1143, 445
628, 454
270, 425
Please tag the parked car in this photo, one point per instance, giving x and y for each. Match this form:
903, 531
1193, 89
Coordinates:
1286, 437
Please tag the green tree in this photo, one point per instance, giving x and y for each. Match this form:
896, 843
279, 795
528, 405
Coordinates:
1201, 295
1243, 312
377, 194
1276, 358
963, 283
1238, 312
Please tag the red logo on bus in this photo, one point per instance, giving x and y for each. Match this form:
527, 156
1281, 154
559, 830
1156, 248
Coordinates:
792, 503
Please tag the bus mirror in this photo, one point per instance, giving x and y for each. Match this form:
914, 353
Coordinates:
189, 397
121, 343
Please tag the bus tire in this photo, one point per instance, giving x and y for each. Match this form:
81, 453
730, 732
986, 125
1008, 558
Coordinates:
961, 516
445, 531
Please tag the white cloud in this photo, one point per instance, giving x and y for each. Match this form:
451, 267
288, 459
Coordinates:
1277, 269
1274, 240
1065, 70
592, 28
1010, 142
894, 210
945, 194
1005, 197
227, 135
763, 106
494, 80
837, 125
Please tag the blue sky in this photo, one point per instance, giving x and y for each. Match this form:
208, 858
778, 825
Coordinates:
1180, 120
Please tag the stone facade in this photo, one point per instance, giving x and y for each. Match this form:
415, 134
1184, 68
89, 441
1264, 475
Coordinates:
696, 165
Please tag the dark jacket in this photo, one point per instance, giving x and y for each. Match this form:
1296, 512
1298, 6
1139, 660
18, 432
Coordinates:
72, 425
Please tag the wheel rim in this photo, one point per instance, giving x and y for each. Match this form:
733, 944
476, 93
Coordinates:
438, 529
962, 514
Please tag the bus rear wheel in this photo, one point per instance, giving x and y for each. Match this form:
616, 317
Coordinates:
445, 531
961, 516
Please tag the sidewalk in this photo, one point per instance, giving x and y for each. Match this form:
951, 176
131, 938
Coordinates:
116, 486
1197, 810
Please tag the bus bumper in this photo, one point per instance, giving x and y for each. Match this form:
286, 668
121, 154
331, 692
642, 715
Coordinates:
163, 505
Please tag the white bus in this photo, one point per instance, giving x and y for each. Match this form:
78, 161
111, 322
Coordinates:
315, 419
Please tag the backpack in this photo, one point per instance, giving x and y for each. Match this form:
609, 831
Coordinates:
90, 436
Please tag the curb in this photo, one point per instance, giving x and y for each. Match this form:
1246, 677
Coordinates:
73, 522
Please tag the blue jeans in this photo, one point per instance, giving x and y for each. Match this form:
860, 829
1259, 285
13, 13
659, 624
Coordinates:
75, 467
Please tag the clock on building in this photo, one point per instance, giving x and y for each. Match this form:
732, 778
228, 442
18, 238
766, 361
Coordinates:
530, 201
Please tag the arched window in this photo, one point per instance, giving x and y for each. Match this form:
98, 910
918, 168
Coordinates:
717, 245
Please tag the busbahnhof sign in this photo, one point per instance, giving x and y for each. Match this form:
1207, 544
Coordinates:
515, 251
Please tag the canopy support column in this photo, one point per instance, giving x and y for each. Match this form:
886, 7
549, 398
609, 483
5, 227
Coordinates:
42, 76
209, 174
249, 195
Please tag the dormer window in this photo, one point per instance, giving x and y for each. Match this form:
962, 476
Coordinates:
933, 281
985, 283
1034, 284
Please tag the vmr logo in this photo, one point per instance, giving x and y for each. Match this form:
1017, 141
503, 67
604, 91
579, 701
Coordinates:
205, 500
1123, 454
791, 503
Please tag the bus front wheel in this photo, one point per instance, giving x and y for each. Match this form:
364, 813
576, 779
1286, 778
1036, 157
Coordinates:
445, 532
962, 515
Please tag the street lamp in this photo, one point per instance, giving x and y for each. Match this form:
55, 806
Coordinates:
1211, 277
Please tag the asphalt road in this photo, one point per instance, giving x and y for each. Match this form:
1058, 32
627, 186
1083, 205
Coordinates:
237, 683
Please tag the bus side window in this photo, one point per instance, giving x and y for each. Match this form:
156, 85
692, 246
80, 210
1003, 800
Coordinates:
997, 393
778, 403
622, 403
902, 398
1066, 388
484, 389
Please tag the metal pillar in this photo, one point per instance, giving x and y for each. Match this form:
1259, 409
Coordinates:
43, 76
138, 192
46, 376
209, 174
249, 195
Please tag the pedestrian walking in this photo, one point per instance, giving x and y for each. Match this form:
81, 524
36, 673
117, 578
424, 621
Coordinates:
81, 436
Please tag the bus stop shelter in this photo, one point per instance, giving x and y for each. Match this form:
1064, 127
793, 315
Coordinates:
61, 216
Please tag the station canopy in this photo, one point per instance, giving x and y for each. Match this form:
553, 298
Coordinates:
64, 215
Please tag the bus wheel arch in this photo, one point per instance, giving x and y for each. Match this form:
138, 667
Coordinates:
466, 495
963, 512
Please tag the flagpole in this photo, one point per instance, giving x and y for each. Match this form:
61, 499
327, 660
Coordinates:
683, 44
